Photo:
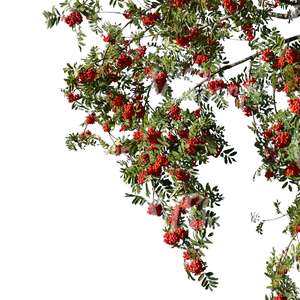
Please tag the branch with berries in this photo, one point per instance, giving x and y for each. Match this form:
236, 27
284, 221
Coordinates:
125, 87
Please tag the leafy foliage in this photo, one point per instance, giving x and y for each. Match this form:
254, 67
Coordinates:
126, 86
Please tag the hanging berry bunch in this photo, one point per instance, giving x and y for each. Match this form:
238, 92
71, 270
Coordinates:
125, 86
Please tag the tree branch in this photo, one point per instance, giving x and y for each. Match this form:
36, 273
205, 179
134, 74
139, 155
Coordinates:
251, 57
290, 15
291, 2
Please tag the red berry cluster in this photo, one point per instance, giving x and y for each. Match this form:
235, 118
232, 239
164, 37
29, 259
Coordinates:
150, 18
160, 79
88, 75
138, 135
297, 229
292, 170
230, 6
72, 97
185, 40
247, 111
182, 175
108, 39
233, 89
84, 135
124, 61
200, 59
173, 237
128, 111
280, 297
195, 266
290, 56
106, 127
174, 216
248, 31
294, 105
74, 18
267, 55
215, 85
189, 201
192, 144
155, 209
197, 224
179, 3
153, 135
90, 119
117, 101
269, 174
175, 113
281, 139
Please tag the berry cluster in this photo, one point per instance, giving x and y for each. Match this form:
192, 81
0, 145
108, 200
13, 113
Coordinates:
150, 18
74, 18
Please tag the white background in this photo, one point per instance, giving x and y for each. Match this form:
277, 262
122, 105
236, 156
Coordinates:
66, 230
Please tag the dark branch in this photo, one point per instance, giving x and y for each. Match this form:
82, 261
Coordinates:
292, 2
251, 57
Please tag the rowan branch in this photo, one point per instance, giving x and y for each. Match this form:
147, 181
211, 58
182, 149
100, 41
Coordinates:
251, 57
291, 2
290, 15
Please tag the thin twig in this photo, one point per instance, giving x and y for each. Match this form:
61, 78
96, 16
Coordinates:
273, 219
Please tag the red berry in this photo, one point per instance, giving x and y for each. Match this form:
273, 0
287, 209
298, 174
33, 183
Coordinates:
183, 41
267, 134
277, 126
118, 101
172, 138
174, 216
153, 135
